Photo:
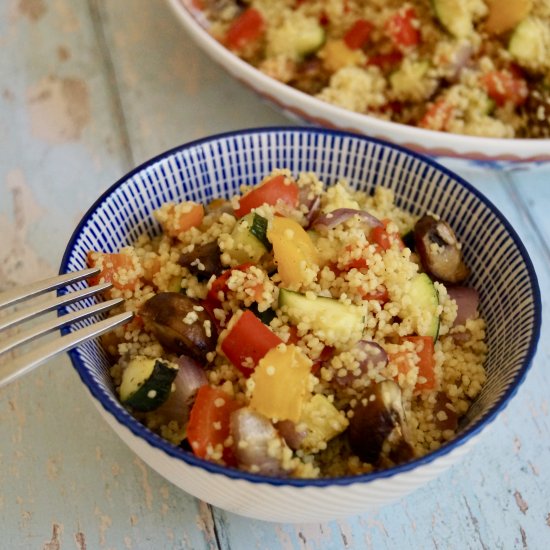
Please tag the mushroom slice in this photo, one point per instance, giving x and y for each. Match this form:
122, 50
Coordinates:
180, 324
439, 250
256, 443
203, 261
379, 418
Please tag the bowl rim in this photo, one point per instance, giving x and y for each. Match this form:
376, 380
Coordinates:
445, 144
155, 441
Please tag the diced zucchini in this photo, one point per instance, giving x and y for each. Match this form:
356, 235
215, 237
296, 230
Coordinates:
408, 76
147, 383
323, 421
297, 37
332, 321
530, 42
455, 16
247, 246
423, 294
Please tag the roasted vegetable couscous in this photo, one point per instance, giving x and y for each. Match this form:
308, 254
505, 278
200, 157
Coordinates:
474, 67
297, 330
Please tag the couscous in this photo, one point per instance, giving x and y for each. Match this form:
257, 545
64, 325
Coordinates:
297, 329
474, 67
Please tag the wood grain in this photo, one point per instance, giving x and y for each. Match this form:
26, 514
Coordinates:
90, 89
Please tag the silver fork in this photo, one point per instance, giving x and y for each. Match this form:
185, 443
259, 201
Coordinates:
11, 369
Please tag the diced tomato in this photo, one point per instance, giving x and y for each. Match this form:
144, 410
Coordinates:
118, 269
198, 4
220, 283
385, 61
209, 422
248, 340
358, 34
269, 192
403, 28
380, 295
248, 27
505, 87
293, 337
424, 347
326, 353
437, 116
384, 239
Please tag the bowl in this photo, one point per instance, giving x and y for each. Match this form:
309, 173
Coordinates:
217, 166
456, 151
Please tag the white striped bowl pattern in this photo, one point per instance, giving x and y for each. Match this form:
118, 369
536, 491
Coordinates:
217, 166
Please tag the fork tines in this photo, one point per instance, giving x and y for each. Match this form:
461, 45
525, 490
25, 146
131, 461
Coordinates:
14, 368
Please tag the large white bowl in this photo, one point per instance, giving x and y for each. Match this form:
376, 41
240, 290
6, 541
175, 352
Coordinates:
217, 166
451, 149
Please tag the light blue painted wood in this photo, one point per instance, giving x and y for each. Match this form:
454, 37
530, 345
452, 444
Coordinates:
65, 480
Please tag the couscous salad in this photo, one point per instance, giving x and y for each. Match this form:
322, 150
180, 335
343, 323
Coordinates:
474, 67
297, 329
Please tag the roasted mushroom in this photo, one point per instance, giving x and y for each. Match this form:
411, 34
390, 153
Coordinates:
256, 444
379, 418
180, 324
203, 261
439, 250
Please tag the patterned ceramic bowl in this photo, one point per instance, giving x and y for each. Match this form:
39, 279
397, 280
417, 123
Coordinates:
217, 166
456, 151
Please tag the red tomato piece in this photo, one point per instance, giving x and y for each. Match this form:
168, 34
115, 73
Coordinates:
437, 116
505, 87
248, 339
380, 295
385, 61
424, 347
269, 192
403, 28
248, 27
384, 239
209, 422
220, 283
358, 34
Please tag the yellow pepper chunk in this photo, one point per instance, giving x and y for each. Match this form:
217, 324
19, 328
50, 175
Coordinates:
295, 254
323, 420
281, 383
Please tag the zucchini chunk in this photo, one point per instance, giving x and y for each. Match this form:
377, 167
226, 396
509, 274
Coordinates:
424, 294
249, 239
455, 16
332, 321
147, 383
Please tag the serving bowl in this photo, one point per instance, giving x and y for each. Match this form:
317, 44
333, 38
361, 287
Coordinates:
217, 166
453, 150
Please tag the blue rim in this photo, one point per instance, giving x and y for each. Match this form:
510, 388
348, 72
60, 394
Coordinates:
157, 442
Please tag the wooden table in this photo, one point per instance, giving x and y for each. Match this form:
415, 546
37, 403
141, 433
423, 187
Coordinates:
90, 89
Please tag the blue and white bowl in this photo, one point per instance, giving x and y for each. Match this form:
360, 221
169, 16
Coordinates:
217, 166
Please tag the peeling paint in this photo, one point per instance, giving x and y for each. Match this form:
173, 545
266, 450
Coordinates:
55, 543
205, 522
63, 53
145, 483
104, 523
33, 9
59, 109
548, 519
19, 263
53, 466
80, 541
522, 505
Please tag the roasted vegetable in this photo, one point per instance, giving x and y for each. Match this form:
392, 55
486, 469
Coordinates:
203, 261
379, 418
439, 250
180, 324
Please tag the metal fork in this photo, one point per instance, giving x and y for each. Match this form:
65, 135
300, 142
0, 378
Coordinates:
12, 369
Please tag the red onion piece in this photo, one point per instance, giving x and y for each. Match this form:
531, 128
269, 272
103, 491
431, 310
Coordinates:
467, 301
252, 435
189, 379
293, 438
375, 355
331, 219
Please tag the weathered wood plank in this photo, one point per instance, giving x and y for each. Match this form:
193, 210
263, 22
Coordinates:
65, 479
